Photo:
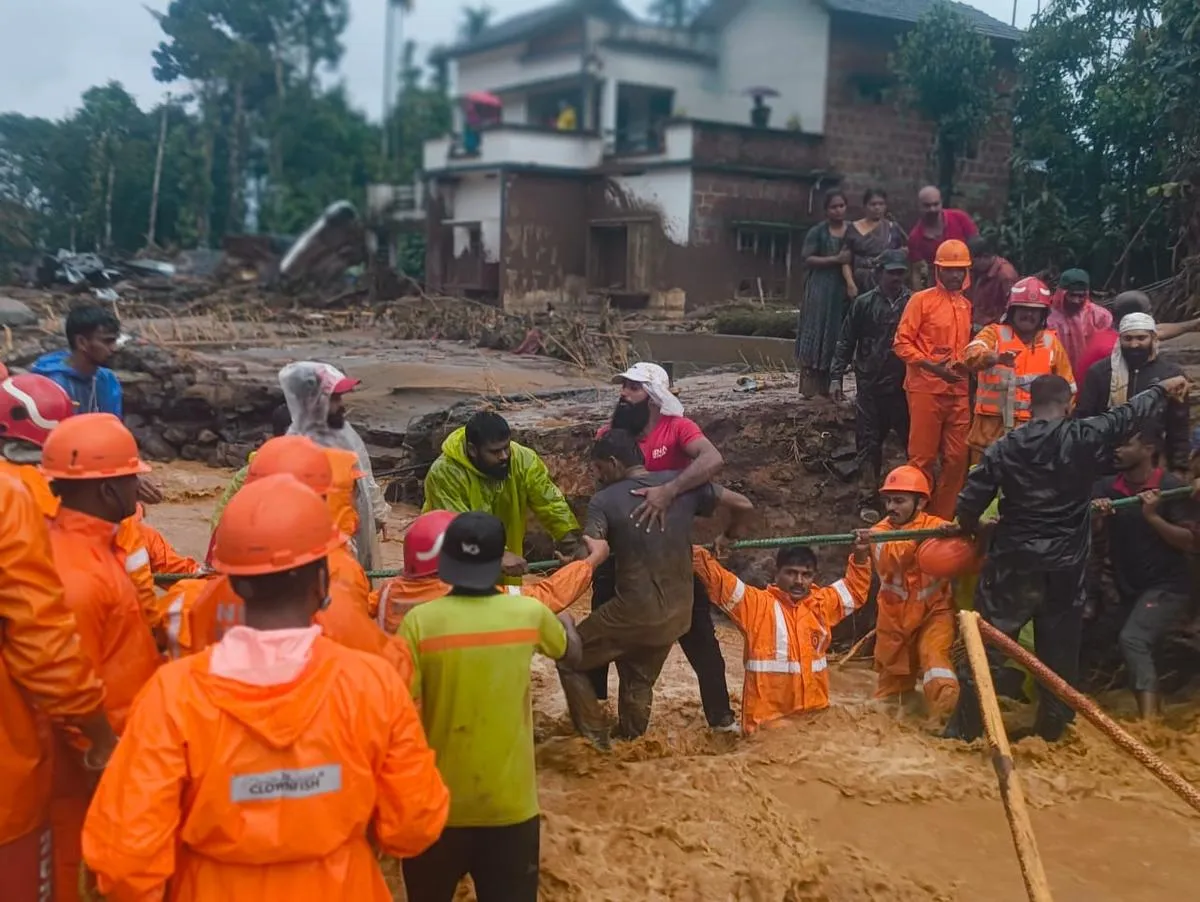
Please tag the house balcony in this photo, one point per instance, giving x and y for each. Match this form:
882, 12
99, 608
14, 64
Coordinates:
515, 145
402, 204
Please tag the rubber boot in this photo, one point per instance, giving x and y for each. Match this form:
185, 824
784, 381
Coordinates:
1149, 705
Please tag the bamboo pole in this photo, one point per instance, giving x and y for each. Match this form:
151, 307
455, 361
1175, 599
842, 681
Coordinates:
1011, 792
1083, 705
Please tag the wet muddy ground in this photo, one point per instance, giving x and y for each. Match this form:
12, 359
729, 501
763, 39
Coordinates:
855, 803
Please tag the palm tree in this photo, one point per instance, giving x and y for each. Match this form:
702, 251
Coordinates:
475, 20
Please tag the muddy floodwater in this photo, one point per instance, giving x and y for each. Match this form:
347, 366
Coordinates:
855, 803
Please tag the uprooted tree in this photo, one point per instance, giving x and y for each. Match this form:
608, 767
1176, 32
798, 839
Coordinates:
946, 74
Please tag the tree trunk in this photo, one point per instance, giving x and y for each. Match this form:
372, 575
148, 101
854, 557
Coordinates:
151, 240
204, 211
234, 217
108, 204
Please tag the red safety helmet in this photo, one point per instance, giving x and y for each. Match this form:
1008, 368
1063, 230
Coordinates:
947, 558
31, 406
423, 542
1030, 292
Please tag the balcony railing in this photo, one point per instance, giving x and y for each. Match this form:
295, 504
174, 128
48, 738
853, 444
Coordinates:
508, 145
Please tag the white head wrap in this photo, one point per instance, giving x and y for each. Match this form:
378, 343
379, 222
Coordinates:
654, 379
1138, 322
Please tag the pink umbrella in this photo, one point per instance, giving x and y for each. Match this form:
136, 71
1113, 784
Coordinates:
484, 98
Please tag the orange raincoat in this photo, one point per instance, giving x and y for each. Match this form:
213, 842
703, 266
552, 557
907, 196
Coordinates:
201, 611
224, 790
116, 639
915, 625
786, 640
935, 327
558, 591
131, 543
43, 672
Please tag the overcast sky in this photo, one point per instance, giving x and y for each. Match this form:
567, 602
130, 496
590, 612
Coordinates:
56, 49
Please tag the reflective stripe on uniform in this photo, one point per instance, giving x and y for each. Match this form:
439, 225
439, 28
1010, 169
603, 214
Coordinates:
781, 633
513, 590
819, 664
938, 673
736, 594
773, 666
174, 622
137, 560
781, 662
843, 592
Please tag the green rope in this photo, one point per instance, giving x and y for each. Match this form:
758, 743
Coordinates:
836, 538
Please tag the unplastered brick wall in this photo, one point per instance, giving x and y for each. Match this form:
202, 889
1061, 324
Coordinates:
873, 143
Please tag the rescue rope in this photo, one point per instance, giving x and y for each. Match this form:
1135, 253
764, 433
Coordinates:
1083, 705
836, 538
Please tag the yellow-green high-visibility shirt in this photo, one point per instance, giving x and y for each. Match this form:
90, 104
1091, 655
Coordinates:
471, 657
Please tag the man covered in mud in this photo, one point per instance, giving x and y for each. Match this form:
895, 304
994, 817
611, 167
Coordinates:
1037, 554
651, 606
315, 396
669, 441
786, 668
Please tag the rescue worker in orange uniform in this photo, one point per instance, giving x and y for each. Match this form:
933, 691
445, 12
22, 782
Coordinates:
1008, 356
420, 583
263, 768
161, 553
932, 336
914, 629
92, 463
43, 674
211, 607
30, 407
787, 627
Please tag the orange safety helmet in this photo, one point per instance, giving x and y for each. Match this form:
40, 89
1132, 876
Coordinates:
907, 479
1030, 292
952, 254
275, 524
947, 558
294, 455
31, 406
91, 446
423, 542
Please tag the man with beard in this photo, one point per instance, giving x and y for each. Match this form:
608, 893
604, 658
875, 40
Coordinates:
1037, 554
651, 607
1148, 548
880, 407
315, 396
482, 469
668, 440
1075, 317
1133, 367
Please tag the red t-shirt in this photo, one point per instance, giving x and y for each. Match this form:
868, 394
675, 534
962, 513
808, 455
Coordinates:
955, 224
663, 445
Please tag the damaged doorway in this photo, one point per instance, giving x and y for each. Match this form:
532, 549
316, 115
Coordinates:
618, 261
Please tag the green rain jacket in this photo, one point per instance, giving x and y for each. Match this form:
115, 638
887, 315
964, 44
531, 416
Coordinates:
453, 484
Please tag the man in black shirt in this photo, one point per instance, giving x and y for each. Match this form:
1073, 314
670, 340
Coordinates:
880, 406
1148, 548
1037, 556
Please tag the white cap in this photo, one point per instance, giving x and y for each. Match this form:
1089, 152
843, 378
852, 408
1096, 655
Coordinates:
1138, 322
657, 383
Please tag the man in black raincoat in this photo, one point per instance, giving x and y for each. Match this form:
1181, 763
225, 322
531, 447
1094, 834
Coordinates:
1037, 555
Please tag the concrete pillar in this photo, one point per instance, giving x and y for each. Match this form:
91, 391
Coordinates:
608, 113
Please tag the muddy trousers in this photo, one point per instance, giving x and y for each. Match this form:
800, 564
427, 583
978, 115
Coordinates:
699, 644
938, 433
1008, 598
1153, 614
502, 863
877, 414
929, 663
638, 668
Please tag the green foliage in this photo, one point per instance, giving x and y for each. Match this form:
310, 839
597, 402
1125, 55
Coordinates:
946, 74
475, 20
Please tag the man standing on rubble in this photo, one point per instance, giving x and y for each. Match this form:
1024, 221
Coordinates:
931, 339
668, 440
1037, 556
315, 393
651, 608
880, 407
